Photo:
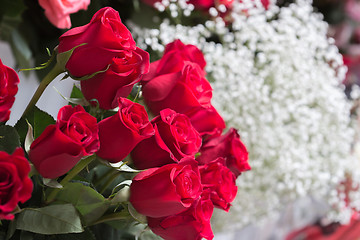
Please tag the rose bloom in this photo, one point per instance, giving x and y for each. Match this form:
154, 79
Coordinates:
120, 133
15, 185
192, 224
58, 11
8, 89
174, 139
110, 48
228, 146
61, 146
168, 190
178, 75
221, 183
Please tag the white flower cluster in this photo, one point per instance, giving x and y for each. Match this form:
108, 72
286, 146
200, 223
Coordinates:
276, 78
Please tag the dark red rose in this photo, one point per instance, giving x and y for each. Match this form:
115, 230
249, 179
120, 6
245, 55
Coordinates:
108, 46
192, 224
168, 190
220, 181
229, 147
8, 89
61, 146
15, 185
120, 133
174, 139
179, 74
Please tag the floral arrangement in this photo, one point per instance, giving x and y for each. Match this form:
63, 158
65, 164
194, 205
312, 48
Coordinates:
274, 76
273, 70
108, 163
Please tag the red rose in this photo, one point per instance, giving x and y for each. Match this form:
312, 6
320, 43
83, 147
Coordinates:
108, 46
188, 84
174, 139
15, 185
120, 133
178, 75
229, 147
168, 190
192, 224
207, 121
8, 88
221, 183
63, 144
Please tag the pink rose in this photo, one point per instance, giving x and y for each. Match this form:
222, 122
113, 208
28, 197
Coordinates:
174, 139
61, 146
168, 190
58, 11
15, 185
221, 183
8, 89
228, 146
192, 224
120, 133
352, 8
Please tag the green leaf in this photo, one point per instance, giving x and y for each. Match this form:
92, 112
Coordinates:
76, 92
54, 219
86, 235
91, 204
9, 139
38, 119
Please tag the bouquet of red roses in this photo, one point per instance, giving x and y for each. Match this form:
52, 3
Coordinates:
105, 164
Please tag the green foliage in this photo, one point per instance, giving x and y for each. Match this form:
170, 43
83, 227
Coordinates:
38, 119
90, 204
76, 92
54, 219
9, 139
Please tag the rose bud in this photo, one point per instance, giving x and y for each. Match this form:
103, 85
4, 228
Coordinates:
168, 190
174, 139
221, 183
192, 224
15, 185
8, 89
61, 146
229, 147
120, 133
104, 46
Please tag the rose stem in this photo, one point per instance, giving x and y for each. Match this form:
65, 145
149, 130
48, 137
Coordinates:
73, 172
43, 84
